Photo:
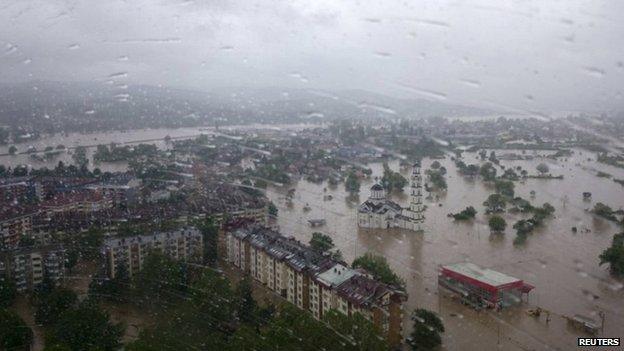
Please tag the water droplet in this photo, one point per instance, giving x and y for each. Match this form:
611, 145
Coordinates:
299, 76
471, 82
594, 71
27, 61
226, 48
425, 92
383, 54
74, 46
315, 115
379, 108
123, 58
118, 75
429, 22
10, 48
567, 21
89, 112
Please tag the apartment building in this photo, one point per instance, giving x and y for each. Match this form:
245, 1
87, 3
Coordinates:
28, 267
15, 222
183, 244
315, 282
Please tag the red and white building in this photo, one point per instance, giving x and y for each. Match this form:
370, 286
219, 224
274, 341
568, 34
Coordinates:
482, 287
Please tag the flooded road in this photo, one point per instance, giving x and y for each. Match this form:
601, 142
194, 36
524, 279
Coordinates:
561, 264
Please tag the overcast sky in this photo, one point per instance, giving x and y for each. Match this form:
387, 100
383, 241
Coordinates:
526, 55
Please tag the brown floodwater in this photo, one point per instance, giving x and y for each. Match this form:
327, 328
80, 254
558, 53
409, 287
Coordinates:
562, 265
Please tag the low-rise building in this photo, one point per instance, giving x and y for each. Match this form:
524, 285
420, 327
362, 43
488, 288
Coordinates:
183, 244
315, 282
84, 201
482, 287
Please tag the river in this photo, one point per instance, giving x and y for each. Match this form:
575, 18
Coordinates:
91, 140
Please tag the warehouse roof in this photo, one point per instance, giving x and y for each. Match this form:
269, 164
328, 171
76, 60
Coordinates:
484, 275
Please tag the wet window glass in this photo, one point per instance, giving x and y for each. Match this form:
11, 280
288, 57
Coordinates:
305, 175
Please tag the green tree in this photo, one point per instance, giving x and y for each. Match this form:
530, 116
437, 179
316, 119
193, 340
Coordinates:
379, 268
363, 334
321, 242
495, 203
8, 291
466, 214
116, 289
614, 255
246, 305
86, 327
604, 211
504, 187
201, 320
50, 306
161, 280
427, 329
210, 238
487, 171
71, 259
12, 150
352, 183
14, 332
497, 224
392, 180
542, 168
80, 157
436, 177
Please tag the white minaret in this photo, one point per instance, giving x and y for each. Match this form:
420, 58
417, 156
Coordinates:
415, 210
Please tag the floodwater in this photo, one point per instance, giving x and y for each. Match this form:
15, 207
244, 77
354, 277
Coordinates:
562, 265
91, 140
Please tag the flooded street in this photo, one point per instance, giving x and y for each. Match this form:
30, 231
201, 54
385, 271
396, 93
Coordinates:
561, 264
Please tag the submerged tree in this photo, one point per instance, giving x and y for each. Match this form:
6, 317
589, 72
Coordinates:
614, 255
542, 168
352, 183
392, 180
495, 203
497, 224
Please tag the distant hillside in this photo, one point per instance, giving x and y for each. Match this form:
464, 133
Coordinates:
61, 106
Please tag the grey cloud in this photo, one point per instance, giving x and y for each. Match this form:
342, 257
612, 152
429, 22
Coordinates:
563, 55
